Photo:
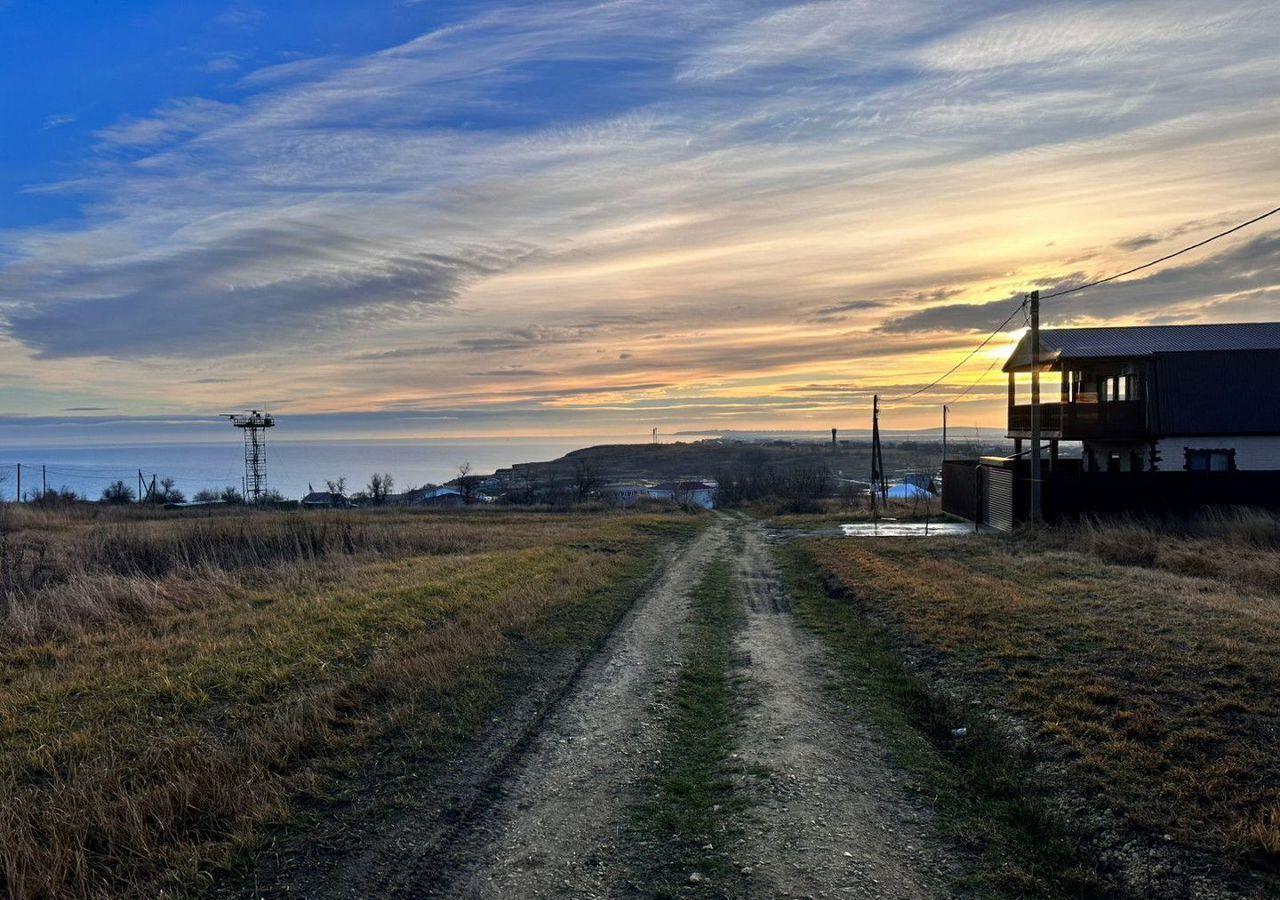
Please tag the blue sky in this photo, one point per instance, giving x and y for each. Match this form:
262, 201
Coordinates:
81, 67
572, 217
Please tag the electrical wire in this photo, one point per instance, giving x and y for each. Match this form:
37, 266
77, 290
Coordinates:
1166, 258
971, 355
975, 383
1071, 290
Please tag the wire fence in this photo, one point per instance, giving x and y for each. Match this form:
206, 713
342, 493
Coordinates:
29, 481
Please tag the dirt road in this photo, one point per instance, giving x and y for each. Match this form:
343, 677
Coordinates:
556, 830
824, 815
829, 818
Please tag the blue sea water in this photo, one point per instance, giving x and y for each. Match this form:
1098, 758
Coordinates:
291, 465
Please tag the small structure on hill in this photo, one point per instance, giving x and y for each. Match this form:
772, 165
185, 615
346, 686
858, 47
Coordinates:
429, 495
685, 493
325, 500
624, 494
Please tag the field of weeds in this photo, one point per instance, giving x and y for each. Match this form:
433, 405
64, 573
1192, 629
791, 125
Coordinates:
1143, 661
173, 682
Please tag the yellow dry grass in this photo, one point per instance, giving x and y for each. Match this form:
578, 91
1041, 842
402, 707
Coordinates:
142, 743
1150, 659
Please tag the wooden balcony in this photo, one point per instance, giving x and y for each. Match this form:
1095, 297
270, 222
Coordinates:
1115, 419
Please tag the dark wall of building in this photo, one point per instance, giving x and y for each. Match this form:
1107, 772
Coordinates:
960, 489
1068, 494
1218, 393
1071, 496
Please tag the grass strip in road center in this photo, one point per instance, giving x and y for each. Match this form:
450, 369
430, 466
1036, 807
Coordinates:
684, 824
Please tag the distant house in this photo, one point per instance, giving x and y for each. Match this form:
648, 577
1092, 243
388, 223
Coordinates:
623, 494
686, 493
325, 500
1168, 418
692, 493
443, 496
908, 491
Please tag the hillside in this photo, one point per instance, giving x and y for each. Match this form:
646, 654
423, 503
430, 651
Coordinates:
707, 459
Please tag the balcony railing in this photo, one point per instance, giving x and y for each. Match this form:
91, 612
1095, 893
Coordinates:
1121, 419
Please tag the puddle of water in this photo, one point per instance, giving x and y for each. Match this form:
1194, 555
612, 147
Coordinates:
889, 528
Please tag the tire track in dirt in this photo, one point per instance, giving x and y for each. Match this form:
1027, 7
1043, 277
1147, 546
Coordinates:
557, 825
830, 818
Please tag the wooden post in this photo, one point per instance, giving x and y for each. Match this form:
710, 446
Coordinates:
944, 432
1035, 408
875, 448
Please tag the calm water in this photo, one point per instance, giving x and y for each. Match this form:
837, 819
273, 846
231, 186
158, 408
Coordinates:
290, 465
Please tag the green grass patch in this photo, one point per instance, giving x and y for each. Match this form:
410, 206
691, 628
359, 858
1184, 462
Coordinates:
690, 797
983, 790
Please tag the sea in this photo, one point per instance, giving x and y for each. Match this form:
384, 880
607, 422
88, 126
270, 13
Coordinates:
293, 467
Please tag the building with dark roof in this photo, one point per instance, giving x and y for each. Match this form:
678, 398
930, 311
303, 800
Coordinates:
1144, 403
1155, 397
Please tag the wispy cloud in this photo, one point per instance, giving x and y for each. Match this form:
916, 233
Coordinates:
241, 15
223, 63
758, 197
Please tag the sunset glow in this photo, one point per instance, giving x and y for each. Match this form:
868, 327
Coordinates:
598, 218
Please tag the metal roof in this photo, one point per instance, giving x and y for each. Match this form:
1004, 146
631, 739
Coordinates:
1144, 340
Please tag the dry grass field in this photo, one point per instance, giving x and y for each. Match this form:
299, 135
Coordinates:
172, 682
1143, 662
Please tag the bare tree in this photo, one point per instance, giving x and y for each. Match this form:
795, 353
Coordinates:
801, 488
118, 492
523, 487
380, 486
468, 484
586, 479
338, 486
167, 492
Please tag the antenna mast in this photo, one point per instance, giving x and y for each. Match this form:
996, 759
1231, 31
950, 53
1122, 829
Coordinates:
255, 426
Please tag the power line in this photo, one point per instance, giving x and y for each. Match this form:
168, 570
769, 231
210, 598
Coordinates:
985, 372
1156, 262
949, 372
975, 383
1071, 290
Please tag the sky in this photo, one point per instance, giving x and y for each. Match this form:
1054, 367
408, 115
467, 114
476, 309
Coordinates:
391, 218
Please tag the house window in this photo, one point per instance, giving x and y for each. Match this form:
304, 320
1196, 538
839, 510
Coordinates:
1118, 388
1216, 460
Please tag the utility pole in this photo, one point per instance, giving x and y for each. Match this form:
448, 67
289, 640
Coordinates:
44, 481
18, 494
875, 450
1035, 408
140, 485
944, 432
877, 457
